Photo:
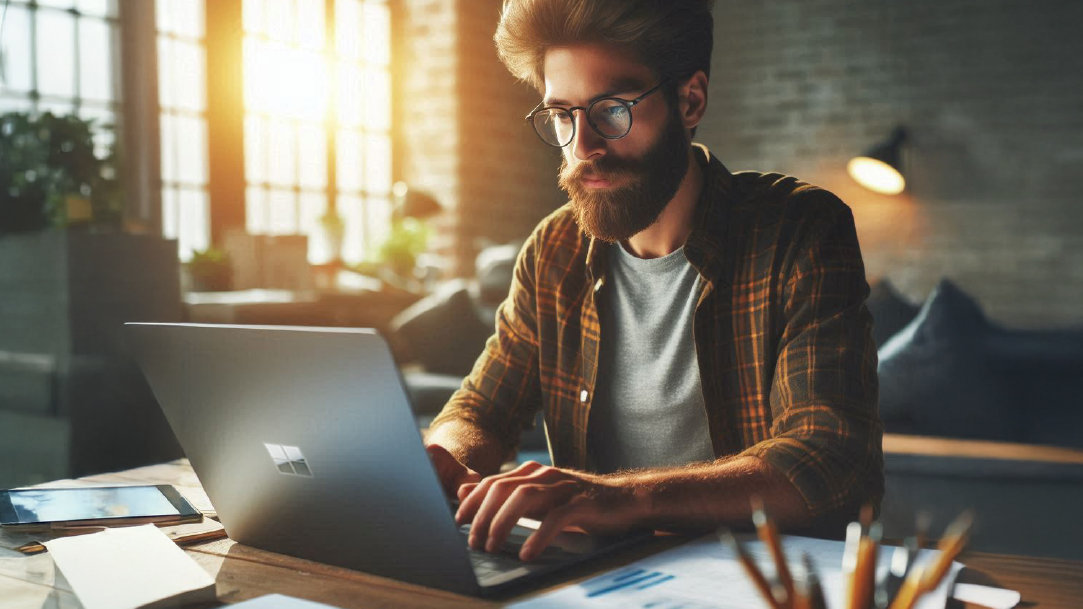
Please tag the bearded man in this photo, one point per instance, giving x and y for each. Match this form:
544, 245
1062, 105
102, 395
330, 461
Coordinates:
694, 338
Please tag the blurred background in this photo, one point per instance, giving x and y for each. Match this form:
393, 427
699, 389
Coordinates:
366, 163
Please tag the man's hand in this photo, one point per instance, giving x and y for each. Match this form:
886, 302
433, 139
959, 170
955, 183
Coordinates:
559, 498
450, 471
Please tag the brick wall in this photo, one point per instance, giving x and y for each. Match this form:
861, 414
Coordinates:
991, 93
466, 141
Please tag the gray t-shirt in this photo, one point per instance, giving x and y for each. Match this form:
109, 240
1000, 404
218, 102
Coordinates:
648, 408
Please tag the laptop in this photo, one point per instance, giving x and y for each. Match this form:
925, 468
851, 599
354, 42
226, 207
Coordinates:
305, 442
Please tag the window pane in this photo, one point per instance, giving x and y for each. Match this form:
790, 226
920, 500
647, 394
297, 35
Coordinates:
377, 164
255, 209
282, 166
166, 79
181, 17
194, 220
191, 150
313, 205
57, 3
59, 108
252, 16
279, 19
376, 106
95, 58
188, 74
255, 145
376, 33
312, 145
282, 208
348, 150
349, 95
15, 69
15, 104
353, 239
310, 24
168, 148
170, 216
97, 8
347, 29
56, 54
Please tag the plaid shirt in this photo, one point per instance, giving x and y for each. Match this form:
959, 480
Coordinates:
783, 338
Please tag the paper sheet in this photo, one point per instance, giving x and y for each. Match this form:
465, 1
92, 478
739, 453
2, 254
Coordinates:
986, 596
704, 574
279, 601
130, 567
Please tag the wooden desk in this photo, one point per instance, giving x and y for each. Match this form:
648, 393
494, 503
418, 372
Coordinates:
243, 572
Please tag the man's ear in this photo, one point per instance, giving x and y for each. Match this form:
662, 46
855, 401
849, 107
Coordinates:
692, 99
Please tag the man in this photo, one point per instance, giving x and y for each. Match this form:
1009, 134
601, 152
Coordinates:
695, 338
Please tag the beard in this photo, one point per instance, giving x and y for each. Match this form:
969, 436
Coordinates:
615, 214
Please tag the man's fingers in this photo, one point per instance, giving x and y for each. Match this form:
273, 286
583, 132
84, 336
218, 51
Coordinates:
497, 495
526, 500
575, 512
471, 502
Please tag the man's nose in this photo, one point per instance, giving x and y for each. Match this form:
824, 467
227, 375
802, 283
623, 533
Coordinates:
587, 144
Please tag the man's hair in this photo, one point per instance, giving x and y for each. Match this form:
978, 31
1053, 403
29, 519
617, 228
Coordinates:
672, 37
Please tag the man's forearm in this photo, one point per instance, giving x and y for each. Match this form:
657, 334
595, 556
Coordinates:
711, 494
469, 444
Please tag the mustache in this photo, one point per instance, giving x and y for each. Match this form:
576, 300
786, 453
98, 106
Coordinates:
605, 167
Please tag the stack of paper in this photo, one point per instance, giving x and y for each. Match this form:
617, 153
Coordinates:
130, 567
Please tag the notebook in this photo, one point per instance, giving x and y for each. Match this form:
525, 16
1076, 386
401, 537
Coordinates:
304, 440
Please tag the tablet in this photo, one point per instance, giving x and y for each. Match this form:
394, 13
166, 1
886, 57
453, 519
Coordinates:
51, 508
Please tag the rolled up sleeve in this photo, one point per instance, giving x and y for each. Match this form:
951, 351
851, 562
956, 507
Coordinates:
826, 434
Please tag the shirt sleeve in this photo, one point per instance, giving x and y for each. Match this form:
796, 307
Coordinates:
826, 433
502, 392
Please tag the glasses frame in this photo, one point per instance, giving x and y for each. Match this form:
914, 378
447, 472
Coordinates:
627, 103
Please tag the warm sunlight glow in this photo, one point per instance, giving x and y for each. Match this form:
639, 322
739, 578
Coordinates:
876, 175
284, 81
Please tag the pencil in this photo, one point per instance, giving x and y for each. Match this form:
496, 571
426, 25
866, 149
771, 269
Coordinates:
863, 580
926, 578
768, 533
751, 569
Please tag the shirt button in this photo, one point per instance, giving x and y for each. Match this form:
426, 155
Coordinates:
583, 395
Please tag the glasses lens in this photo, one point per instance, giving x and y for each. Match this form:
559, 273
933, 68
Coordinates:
611, 118
555, 126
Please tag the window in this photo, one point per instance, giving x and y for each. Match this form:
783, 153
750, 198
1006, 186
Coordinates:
183, 124
59, 56
318, 120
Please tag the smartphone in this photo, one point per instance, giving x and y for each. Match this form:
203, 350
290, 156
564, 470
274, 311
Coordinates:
54, 508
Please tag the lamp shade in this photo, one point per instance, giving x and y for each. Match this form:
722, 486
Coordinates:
880, 169
412, 203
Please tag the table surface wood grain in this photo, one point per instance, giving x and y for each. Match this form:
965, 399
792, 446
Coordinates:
243, 572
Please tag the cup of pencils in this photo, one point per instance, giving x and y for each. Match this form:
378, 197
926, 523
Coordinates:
898, 586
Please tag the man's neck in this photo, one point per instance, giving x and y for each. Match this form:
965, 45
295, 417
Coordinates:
671, 229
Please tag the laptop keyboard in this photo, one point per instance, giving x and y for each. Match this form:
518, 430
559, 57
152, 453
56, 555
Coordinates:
487, 564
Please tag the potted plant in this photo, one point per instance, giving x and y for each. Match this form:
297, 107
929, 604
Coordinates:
52, 174
209, 270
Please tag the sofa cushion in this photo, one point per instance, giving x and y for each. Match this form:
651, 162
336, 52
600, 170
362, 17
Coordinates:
443, 332
890, 311
938, 377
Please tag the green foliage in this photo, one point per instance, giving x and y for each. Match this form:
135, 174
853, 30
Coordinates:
46, 159
210, 270
407, 239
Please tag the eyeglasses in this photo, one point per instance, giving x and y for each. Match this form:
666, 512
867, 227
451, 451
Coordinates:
609, 117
